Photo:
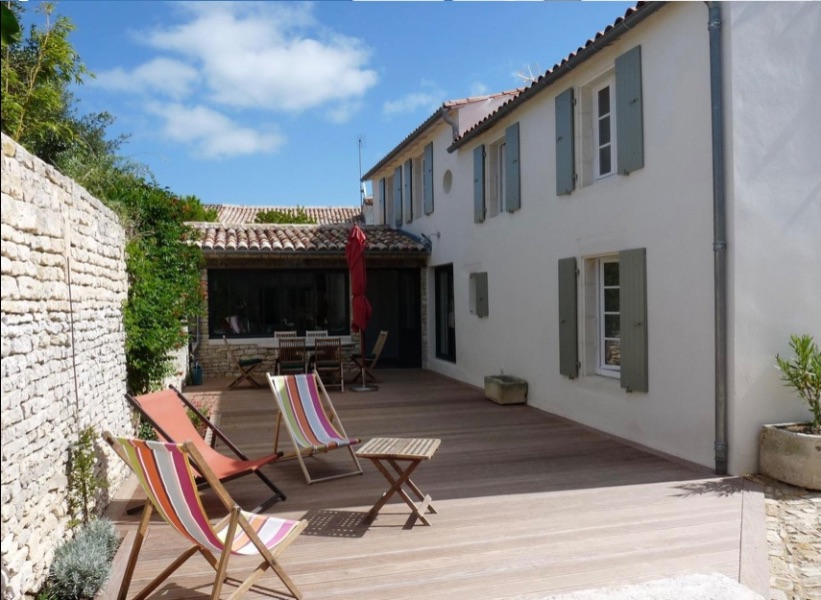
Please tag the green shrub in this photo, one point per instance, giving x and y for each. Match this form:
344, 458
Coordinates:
283, 217
145, 431
803, 373
83, 564
83, 483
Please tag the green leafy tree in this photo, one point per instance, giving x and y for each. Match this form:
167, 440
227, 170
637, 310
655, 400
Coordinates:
10, 25
284, 217
36, 73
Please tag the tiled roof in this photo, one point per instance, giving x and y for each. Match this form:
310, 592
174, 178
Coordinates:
323, 215
632, 17
263, 238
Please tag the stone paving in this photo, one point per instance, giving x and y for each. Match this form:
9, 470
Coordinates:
793, 540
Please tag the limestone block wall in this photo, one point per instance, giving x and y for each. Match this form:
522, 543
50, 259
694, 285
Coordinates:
63, 354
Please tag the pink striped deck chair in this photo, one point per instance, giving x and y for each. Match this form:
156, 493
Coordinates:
310, 420
166, 473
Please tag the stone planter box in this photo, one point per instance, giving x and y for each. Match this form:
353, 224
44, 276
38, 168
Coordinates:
505, 389
789, 456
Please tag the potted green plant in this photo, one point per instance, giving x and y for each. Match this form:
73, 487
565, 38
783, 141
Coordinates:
791, 452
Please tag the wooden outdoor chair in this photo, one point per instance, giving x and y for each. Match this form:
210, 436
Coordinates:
167, 412
367, 363
313, 425
245, 366
327, 359
281, 334
292, 356
166, 472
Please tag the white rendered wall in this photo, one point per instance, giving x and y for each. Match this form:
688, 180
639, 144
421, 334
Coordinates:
773, 133
666, 207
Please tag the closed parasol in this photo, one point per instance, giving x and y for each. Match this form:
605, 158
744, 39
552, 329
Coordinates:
355, 255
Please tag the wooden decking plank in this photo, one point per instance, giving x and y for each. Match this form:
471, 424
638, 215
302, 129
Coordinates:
528, 504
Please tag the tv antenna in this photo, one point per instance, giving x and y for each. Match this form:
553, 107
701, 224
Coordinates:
529, 77
360, 141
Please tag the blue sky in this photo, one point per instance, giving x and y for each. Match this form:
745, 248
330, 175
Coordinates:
263, 103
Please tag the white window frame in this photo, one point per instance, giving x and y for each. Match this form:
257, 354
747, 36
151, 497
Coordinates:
495, 195
602, 368
610, 83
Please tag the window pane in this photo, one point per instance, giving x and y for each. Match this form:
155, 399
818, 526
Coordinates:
611, 300
612, 353
604, 131
604, 160
611, 326
611, 273
604, 101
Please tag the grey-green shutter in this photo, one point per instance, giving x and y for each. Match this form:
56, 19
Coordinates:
480, 293
479, 184
513, 187
428, 177
565, 144
629, 119
397, 197
633, 306
568, 321
408, 191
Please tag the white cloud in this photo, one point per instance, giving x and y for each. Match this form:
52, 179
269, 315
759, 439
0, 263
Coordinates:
478, 89
412, 102
261, 55
211, 134
165, 76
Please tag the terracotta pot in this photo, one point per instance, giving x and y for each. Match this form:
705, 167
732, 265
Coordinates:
790, 456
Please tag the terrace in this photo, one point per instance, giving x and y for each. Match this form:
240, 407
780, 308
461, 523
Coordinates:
529, 505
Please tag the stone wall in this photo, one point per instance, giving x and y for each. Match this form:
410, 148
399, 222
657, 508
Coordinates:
63, 354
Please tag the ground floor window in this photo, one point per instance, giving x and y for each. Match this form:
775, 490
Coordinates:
258, 302
609, 316
445, 316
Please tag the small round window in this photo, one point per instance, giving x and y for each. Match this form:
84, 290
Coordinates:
447, 181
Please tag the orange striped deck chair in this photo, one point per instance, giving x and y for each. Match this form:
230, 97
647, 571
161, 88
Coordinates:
166, 473
306, 411
167, 411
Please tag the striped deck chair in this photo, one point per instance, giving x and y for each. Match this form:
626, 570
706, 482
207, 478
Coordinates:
166, 473
308, 415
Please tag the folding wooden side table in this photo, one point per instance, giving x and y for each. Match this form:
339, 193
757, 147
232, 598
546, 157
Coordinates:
403, 456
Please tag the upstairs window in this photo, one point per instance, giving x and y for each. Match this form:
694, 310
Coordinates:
604, 130
610, 136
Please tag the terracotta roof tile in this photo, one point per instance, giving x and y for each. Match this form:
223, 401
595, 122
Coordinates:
323, 215
263, 238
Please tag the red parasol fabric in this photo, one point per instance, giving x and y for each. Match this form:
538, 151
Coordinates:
355, 254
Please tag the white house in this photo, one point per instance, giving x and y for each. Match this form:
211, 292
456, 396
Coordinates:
637, 232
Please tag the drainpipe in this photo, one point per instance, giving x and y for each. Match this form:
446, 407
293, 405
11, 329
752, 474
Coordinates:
719, 238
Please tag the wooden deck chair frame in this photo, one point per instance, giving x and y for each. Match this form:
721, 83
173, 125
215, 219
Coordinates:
245, 366
327, 358
173, 493
366, 364
177, 427
303, 401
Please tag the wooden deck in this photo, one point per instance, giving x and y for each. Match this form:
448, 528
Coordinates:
528, 504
